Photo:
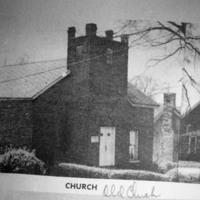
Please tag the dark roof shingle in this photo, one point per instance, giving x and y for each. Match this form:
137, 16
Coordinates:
139, 98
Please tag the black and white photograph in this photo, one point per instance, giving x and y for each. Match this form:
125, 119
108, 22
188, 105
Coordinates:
97, 90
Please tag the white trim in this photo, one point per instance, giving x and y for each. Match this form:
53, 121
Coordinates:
134, 144
134, 161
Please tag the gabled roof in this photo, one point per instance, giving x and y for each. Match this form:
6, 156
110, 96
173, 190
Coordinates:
139, 99
159, 111
191, 109
27, 81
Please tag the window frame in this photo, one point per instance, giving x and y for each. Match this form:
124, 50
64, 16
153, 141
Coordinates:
79, 52
109, 56
184, 140
135, 145
195, 144
188, 127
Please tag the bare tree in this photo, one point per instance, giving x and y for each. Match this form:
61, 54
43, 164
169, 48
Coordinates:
176, 39
180, 38
149, 85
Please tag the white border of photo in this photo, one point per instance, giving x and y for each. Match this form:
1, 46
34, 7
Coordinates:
21, 186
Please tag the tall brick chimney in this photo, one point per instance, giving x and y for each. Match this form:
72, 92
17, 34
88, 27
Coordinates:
170, 98
91, 29
71, 32
109, 34
168, 135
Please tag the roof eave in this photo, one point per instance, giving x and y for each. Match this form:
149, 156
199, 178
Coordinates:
157, 117
142, 105
38, 93
188, 111
50, 85
15, 99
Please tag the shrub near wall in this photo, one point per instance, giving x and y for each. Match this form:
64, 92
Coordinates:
74, 170
21, 161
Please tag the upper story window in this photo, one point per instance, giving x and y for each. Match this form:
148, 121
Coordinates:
133, 146
79, 52
188, 128
109, 55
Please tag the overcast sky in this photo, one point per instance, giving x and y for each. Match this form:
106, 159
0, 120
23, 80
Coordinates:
38, 28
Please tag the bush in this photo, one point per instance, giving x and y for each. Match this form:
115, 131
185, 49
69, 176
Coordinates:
21, 161
74, 170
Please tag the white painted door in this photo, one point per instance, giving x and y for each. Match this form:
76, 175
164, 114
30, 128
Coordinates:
107, 146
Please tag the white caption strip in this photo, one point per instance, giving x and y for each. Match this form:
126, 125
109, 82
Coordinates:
99, 187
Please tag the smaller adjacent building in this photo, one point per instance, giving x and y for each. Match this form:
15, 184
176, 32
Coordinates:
190, 134
166, 130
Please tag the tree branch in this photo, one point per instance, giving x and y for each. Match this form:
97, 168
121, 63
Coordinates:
166, 57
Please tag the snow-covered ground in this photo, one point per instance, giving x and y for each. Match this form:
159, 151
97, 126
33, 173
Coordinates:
185, 174
195, 172
182, 173
189, 164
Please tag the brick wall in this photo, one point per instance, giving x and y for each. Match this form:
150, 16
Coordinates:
63, 118
192, 119
16, 123
158, 138
124, 118
99, 92
167, 135
50, 134
166, 132
78, 104
108, 80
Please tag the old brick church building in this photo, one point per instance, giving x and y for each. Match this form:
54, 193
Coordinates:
84, 113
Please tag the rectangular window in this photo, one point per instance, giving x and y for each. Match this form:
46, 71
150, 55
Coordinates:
79, 52
133, 146
188, 128
192, 144
109, 56
184, 144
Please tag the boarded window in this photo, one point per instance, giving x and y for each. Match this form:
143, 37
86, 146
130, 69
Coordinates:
79, 52
133, 146
109, 56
